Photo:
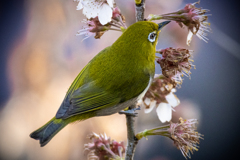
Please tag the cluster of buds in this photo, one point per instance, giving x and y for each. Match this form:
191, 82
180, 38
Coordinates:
183, 134
192, 17
102, 148
94, 25
175, 63
161, 95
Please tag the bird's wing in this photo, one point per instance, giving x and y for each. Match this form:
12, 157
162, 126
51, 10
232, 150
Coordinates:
87, 98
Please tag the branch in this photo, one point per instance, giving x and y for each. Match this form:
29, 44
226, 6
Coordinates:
140, 8
132, 140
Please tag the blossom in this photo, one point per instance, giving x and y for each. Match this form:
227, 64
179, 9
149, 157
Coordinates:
161, 95
164, 110
93, 8
184, 136
175, 63
195, 20
190, 16
183, 133
102, 147
93, 26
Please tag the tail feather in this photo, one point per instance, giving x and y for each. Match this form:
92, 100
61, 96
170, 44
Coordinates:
48, 131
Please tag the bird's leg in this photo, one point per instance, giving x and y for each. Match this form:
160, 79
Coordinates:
130, 111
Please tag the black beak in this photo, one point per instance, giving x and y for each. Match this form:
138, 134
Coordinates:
161, 25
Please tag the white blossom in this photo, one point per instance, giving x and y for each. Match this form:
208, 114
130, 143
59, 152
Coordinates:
164, 110
150, 104
93, 8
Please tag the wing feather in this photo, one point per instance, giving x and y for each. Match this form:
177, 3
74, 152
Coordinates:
87, 98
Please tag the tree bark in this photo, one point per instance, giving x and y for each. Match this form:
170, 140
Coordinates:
132, 140
140, 11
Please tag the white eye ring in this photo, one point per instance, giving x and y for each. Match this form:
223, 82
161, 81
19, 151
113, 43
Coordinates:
152, 36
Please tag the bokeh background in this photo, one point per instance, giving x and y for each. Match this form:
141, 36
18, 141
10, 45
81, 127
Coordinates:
40, 56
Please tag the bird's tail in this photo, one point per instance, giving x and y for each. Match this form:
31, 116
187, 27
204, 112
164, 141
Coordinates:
48, 131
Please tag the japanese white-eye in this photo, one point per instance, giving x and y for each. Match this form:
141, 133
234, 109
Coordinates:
114, 79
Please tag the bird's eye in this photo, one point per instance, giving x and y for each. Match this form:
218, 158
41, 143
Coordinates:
152, 37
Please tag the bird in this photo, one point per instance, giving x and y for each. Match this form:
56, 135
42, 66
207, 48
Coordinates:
116, 78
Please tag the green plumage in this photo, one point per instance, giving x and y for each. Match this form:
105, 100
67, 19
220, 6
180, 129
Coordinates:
113, 80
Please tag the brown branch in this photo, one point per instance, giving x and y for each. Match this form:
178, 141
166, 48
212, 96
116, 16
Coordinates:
140, 8
132, 140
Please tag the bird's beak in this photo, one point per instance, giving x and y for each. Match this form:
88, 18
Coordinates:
161, 25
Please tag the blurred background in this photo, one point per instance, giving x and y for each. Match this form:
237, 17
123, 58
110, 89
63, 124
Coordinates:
40, 56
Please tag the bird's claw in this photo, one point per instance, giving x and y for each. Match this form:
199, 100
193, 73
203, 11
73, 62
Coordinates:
130, 111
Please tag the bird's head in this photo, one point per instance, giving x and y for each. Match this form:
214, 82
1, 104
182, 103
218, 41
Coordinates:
143, 33
150, 31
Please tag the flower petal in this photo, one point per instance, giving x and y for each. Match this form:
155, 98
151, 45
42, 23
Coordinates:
105, 14
189, 37
151, 106
164, 112
95, 134
147, 101
172, 99
79, 6
90, 12
110, 3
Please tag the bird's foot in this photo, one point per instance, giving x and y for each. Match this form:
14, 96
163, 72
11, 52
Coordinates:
130, 111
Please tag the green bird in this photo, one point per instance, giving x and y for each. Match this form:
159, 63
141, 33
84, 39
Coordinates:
113, 80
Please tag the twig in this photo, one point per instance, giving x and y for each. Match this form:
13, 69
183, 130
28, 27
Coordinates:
140, 8
132, 140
